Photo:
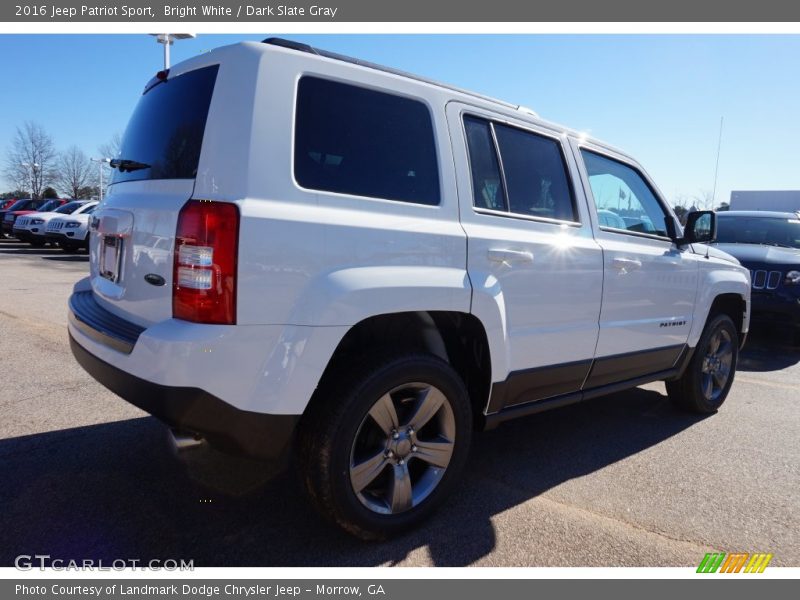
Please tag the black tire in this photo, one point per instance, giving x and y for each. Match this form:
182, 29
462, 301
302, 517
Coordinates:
702, 388
339, 420
37, 244
69, 248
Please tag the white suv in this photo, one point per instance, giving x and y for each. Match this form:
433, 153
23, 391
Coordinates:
306, 254
71, 232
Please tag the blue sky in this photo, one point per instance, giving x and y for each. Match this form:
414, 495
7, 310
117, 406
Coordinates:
660, 98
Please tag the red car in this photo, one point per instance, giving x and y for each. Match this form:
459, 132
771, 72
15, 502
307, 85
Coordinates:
27, 206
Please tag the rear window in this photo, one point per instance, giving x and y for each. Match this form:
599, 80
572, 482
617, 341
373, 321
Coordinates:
361, 142
167, 126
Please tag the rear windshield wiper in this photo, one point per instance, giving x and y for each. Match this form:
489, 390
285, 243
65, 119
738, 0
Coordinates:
124, 165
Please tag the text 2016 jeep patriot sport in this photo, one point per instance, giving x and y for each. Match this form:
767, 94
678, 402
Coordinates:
303, 254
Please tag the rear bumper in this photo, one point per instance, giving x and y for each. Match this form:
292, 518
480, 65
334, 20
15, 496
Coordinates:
238, 431
239, 386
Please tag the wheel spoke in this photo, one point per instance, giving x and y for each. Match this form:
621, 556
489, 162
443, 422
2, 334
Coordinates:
428, 404
437, 453
708, 386
713, 343
721, 375
725, 351
401, 490
365, 472
384, 414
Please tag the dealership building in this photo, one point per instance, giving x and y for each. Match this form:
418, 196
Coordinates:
781, 200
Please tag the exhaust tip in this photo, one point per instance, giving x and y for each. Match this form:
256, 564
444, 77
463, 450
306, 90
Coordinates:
183, 440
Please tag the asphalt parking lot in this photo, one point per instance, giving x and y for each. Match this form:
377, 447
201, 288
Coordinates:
621, 481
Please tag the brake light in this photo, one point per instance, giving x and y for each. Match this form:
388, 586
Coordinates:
204, 267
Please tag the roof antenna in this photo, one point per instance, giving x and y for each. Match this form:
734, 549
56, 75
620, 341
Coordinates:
716, 173
716, 168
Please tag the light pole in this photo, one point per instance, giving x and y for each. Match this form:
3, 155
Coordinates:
32, 167
103, 160
168, 39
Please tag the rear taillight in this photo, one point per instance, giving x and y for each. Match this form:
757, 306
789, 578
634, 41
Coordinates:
204, 272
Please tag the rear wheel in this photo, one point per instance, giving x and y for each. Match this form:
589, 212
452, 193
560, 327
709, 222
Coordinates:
383, 445
708, 378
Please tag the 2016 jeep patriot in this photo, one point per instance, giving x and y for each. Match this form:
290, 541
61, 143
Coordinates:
305, 254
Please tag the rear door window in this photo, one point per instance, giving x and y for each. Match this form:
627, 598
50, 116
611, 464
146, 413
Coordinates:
361, 142
487, 186
518, 171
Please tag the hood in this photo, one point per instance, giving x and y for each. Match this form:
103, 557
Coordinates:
757, 253
714, 251
41, 215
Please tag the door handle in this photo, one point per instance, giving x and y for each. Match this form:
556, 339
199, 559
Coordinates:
626, 265
503, 255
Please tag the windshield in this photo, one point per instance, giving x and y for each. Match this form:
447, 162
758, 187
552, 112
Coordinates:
69, 208
18, 205
49, 206
770, 231
164, 135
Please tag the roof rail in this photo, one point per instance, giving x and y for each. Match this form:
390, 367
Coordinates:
292, 45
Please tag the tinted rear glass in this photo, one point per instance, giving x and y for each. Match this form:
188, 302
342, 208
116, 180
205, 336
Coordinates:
167, 126
362, 142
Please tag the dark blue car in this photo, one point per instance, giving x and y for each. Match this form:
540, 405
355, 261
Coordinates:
768, 244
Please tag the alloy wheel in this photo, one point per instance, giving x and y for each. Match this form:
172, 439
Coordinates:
402, 448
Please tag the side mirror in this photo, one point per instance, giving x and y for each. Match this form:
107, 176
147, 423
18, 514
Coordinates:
701, 227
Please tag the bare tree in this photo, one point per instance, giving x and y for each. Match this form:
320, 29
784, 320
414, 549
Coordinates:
680, 206
112, 147
74, 171
704, 200
30, 160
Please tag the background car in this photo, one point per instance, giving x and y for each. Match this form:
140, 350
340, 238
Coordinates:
608, 218
768, 244
26, 207
642, 224
71, 233
19, 204
31, 228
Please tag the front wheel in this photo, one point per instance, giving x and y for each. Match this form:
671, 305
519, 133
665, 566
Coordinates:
707, 380
383, 445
